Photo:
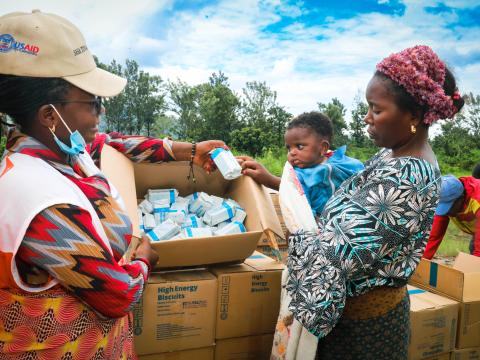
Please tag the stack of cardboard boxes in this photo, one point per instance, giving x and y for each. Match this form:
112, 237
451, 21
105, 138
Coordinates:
209, 298
459, 282
222, 313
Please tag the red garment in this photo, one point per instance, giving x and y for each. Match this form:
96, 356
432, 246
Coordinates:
467, 220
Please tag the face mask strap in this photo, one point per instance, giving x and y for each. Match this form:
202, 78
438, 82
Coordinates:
60, 116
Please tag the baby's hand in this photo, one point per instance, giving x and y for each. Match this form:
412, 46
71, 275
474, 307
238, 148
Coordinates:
258, 172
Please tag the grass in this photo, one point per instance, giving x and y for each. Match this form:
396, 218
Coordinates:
454, 242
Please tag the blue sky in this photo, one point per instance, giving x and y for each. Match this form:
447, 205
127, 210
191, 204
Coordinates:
307, 51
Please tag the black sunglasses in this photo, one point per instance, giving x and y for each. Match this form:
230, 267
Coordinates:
97, 103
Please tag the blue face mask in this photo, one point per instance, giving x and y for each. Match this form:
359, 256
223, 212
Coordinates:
77, 142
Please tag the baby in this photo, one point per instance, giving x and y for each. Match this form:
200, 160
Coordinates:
319, 170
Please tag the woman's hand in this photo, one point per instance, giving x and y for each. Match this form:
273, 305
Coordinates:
145, 250
258, 172
202, 156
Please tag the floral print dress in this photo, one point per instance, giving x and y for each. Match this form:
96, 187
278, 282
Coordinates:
372, 233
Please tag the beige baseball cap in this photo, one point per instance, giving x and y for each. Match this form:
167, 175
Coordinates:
46, 45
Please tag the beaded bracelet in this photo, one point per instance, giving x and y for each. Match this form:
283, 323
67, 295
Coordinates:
191, 174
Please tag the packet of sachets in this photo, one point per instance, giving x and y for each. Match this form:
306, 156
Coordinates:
226, 163
165, 231
218, 214
162, 194
232, 228
202, 203
197, 232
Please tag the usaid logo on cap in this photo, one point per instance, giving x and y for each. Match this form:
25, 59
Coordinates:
8, 43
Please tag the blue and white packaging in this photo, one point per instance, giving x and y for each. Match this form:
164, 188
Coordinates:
232, 228
193, 221
178, 212
165, 231
226, 163
160, 210
190, 232
201, 204
222, 224
240, 213
146, 206
140, 220
155, 195
218, 214
149, 222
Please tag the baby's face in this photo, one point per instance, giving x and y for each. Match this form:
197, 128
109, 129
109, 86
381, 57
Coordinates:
305, 147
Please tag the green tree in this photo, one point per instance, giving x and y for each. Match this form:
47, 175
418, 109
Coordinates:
249, 140
135, 109
471, 114
184, 104
217, 107
357, 125
335, 110
260, 110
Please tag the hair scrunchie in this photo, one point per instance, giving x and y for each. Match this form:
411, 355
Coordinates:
422, 74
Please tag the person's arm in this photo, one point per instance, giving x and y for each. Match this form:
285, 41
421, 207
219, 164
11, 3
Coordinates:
439, 228
62, 241
372, 233
476, 236
258, 172
151, 150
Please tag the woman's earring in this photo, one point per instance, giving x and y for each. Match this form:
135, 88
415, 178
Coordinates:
52, 129
413, 129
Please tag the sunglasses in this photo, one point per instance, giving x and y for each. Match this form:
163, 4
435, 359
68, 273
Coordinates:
96, 103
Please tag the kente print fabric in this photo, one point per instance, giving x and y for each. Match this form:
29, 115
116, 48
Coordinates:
372, 233
61, 242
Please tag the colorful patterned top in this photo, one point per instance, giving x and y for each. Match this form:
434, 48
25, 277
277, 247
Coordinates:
467, 220
372, 233
62, 243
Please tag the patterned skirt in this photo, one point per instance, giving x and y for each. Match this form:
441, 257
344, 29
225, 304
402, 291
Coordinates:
53, 325
374, 326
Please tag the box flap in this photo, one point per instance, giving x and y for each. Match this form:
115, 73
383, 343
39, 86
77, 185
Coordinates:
467, 263
179, 276
262, 262
423, 300
439, 278
206, 251
230, 269
119, 171
252, 195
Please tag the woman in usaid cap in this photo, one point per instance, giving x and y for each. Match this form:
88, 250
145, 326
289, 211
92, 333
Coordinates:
64, 290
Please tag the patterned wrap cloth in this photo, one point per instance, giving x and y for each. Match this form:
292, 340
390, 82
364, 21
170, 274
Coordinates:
56, 324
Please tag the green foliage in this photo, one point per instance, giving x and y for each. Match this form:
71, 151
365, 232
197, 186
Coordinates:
134, 111
274, 159
250, 140
455, 241
335, 110
3, 141
357, 126
259, 109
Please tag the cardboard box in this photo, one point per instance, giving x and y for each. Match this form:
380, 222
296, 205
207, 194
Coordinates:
248, 299
468, 334
281, 238
244, 348
459, 282
433, 322
176, 312
445, 356
466, 354
133, 180
196, 354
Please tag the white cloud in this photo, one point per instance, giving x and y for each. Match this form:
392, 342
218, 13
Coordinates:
304, 63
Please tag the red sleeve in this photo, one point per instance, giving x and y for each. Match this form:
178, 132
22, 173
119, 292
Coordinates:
62, 241
439, 227
476, 235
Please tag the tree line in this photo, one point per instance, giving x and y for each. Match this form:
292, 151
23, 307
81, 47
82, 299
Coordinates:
253, 121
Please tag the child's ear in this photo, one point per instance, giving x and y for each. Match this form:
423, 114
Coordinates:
325, 146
